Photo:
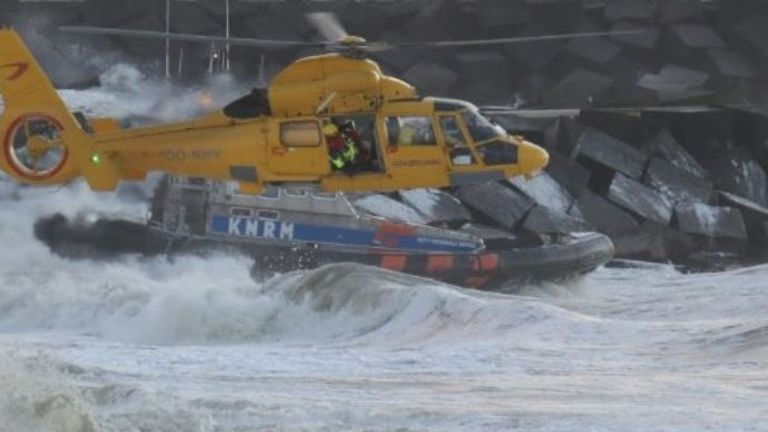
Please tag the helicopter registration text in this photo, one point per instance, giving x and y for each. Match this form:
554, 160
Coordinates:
194, 154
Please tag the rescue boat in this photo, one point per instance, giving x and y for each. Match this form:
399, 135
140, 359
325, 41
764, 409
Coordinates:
287, 229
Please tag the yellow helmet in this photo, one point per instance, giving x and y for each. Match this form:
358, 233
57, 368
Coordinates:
330, 129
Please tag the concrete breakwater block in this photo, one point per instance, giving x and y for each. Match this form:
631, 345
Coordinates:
652, 241
634, 130
431, 78
676, 185
666, 146
595, 50
544, 191
608, 151
568, 173
630, 10
542, 220
386, 207
496, 202
579, 88
604, 215
740, 174
436, 206
640, 199
710, 221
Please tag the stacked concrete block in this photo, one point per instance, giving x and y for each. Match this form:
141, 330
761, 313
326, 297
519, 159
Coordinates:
675, 184
641, 200
603, 149
496, 202
711, 222
436, 207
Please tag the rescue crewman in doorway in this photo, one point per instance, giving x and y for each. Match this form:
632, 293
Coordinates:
343, 148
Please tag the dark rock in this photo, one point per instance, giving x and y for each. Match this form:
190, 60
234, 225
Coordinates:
629, 128
640, 199
577, 89
710, 221
597, 50
753, 30
543, 220
534, 56
608, 151
731, 64
110, 13
502, 13
630, 9
436, 206
603, 215
568, 173
647, 39
739, 173
191, 18
697, 36
431, 78
677, 185
667, 147
644, 244
673, 11
565, 135
488, 67
496, 202
701, 131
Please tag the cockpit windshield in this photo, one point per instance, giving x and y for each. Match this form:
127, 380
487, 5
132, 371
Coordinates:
480, 128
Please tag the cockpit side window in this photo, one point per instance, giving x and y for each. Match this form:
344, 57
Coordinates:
498, 152
454, 137
456, 142
480, 128
410, 130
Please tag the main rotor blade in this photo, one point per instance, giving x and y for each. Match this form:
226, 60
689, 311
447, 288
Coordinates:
382, 46
328, 25
148, 34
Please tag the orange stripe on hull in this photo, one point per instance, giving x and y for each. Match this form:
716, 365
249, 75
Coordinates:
486, 262
439, 263
394, 262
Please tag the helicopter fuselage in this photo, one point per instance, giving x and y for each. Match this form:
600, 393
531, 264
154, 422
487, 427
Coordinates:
404, 141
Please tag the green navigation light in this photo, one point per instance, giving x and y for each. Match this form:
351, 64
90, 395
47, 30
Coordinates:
96, 158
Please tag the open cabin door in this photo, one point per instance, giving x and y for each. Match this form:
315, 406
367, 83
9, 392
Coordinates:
413, 152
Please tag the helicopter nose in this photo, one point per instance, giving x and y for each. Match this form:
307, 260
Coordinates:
531, 157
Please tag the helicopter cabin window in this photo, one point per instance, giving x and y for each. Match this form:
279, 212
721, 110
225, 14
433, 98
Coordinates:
456, 141
300, 134
411, 130
498, 152
480, 128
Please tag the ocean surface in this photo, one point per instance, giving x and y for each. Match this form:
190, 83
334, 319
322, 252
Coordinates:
197, 345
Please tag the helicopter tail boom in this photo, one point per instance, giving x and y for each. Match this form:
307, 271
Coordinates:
42, 141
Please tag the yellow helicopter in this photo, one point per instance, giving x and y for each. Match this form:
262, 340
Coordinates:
283, 135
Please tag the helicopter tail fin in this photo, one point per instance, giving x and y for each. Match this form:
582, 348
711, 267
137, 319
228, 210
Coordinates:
42, 141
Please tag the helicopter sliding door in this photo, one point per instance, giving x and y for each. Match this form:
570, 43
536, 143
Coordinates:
413, 152
296, 149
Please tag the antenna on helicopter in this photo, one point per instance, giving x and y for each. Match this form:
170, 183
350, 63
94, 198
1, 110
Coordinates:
262, 79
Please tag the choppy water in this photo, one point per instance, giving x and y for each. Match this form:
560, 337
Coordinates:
197, 345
